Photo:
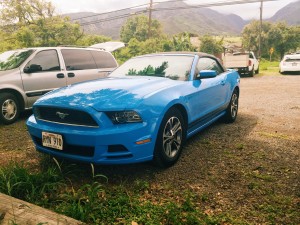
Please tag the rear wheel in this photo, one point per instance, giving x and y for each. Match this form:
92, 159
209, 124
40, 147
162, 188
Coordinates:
257, 71
251, 72
10, 108
170, 138
232, 109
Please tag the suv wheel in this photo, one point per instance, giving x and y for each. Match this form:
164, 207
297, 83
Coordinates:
10, 109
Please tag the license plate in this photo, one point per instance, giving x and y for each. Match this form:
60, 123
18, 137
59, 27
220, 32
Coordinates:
52, 140
294, 64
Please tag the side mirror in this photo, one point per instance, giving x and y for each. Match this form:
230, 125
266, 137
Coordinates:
32, 68
207, 74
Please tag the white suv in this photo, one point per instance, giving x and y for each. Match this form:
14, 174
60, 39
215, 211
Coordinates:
27, 74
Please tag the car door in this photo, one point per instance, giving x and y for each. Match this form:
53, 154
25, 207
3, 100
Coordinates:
81, 65
42, 74
209, 94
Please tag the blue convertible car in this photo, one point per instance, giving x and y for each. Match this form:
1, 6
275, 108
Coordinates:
144, 110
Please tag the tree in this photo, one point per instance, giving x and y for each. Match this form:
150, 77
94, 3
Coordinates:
137, 27
90, 39
211, 45
182, 42
17, 13
179, 42
280, 36
28, 23
250, 36
284, 38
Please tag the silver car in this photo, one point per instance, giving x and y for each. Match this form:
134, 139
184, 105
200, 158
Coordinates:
27, 74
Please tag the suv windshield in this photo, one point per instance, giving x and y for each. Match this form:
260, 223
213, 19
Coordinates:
13, 59
176, 67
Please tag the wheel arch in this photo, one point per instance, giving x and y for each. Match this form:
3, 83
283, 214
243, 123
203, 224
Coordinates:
17, 94
237, 88
183, 112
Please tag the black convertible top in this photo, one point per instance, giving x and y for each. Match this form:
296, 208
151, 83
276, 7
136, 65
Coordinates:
200, 54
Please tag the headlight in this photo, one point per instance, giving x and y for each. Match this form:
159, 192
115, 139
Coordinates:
36, 112
124, 117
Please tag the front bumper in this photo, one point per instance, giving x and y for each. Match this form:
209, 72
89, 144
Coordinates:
114, 145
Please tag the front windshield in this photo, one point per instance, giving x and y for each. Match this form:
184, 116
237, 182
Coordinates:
176, 67
13, 59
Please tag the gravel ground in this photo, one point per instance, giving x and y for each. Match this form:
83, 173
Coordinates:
249, 169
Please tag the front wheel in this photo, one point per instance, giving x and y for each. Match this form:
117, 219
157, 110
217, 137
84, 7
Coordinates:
232, 109
170, 138
10, 109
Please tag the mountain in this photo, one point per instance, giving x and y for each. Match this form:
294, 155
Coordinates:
179, 17
290, 14
196, 20
193, 20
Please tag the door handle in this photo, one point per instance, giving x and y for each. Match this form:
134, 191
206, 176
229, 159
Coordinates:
223, 82
71, 74
60, 75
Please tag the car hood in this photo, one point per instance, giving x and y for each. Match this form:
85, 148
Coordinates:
108, 93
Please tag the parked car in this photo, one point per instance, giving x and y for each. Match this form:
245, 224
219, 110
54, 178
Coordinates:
144, 110
244, 62
27, 74
290, 63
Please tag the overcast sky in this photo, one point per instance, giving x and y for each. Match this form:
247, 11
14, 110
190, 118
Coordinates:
246, 11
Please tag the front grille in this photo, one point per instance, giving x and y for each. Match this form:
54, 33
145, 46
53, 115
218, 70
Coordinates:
65, 116
87, 151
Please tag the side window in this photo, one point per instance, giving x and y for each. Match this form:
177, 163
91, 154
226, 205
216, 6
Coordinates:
78, 59
44, 61
209, 64
104, 59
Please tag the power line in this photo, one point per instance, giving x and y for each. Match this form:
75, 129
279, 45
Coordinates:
238, 2
113, 18
221, 3
228, 2
118, 10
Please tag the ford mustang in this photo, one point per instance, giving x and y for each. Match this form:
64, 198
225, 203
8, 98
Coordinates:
144, 110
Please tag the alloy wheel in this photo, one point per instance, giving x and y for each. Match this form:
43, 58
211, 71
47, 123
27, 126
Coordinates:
9, 109
172, 137
234, 105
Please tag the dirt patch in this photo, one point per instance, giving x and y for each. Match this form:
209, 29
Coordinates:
248, 169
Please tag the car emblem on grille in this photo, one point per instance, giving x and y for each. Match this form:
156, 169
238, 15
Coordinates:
62, 115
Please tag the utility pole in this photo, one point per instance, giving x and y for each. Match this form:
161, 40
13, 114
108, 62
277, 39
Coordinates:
260, 29
150, 18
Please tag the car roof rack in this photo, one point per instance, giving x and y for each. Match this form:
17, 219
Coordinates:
75, 46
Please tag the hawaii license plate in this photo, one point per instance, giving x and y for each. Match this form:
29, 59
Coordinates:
52, 140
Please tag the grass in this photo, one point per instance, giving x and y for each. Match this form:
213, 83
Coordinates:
98, 203
274, 135
267, 66
17, 181
94, 201
276, 210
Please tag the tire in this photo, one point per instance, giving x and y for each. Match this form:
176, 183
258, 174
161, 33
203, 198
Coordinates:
232, 109
251, 72
10, 108
169, 144
257, 71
